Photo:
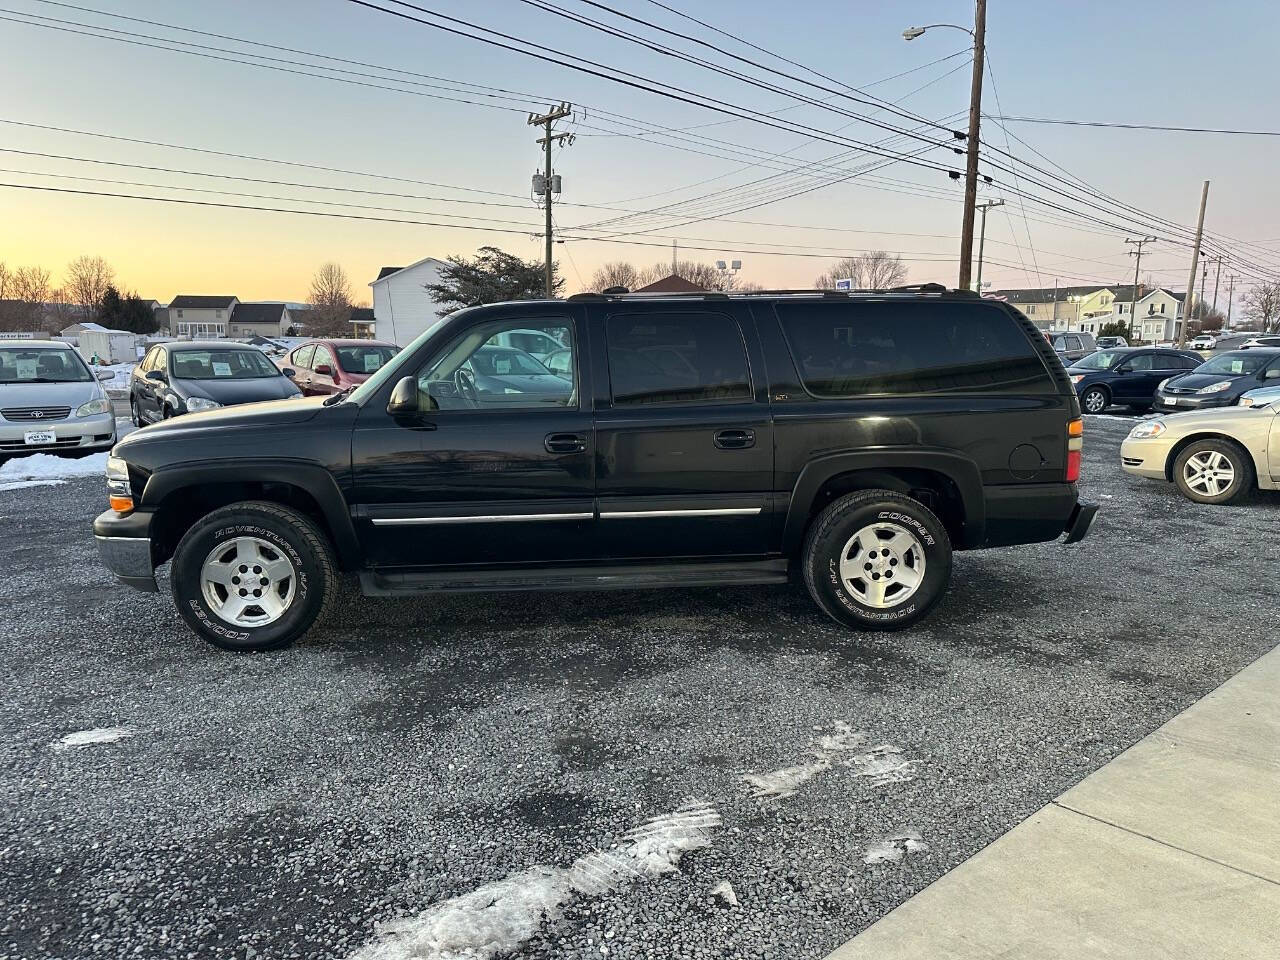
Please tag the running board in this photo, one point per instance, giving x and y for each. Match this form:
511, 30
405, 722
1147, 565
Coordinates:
375, 583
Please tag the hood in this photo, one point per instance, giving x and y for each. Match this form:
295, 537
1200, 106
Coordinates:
249, 415
1194, 381
1212, 418
49, 394
229, 392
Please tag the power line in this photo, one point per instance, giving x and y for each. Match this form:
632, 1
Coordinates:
1143, 126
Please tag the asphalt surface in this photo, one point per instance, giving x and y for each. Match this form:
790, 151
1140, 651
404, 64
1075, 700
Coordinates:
415, 751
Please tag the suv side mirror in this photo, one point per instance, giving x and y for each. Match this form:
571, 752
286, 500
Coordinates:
289, 372
404, 398
159, 376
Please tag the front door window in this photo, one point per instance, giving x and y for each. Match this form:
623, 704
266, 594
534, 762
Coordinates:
480, 370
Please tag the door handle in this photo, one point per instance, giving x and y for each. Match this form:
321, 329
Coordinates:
565, 443
735, 439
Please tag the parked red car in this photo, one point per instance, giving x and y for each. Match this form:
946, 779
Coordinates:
322, 367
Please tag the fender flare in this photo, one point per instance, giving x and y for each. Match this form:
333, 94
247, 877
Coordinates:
309, 477
962, 471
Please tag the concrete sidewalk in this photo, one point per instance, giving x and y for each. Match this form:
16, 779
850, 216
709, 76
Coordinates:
1170, 850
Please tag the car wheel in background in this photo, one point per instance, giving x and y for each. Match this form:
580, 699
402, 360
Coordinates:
876, 560
253, 576
1095, 400
1214, 471
134, 414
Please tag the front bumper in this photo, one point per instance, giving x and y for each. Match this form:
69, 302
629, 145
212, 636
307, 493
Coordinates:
84, 433
1145, 458
1190, 401
124, 545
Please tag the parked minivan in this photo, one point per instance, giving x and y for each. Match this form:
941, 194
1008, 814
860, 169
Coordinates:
51, 401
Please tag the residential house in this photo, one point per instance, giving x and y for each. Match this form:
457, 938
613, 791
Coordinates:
402, 308
1060, 308
199, 316
362, 323
260, 320
671, 284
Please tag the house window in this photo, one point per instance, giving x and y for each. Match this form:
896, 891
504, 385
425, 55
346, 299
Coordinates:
218, 314
179, 314
1162, 308
1031, 308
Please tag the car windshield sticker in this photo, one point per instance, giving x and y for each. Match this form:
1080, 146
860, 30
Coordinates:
221, 369
27, 369
372, 361
1237, 366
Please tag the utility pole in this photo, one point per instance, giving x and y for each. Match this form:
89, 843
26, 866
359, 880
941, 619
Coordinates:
1231, 296
971, 158
549, 182
1137, 264
1204, 275
1195, 260
1217, 278
982, 238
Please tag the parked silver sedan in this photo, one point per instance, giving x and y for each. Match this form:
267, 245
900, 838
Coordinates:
49, 400
1212, 456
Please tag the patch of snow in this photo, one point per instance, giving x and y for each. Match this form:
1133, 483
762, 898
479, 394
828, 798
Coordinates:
892, 849
881, 763
498, 917
89, 738
723, 891
45, 468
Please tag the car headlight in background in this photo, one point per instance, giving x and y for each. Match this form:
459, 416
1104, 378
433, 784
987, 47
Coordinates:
1077, 377
1147, 429
1161, 384
1216, 387
94, 407
200, 404
119, 492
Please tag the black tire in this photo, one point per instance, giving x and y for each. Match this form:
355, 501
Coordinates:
1095, 400
285, 531
1242, 471
830, 536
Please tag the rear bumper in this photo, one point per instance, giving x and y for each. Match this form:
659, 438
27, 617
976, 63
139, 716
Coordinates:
1035, 513
1081, 520
124, 546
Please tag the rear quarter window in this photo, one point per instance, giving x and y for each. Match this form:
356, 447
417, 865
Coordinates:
853, 349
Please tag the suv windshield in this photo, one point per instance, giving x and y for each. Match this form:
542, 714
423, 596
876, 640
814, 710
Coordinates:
1236, 364
220, 365
364, 359
1102, 360
41, 365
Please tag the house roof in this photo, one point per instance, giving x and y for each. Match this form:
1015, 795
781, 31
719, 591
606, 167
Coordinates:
258, 313
389, 271
672, 284
201, 303
362, 314
1046, 294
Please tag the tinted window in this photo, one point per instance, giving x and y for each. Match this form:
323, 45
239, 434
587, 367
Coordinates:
1143, 361
676, 358
848, 349
1071, 343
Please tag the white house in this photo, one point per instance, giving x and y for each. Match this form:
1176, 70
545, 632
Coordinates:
402, 308
200, 317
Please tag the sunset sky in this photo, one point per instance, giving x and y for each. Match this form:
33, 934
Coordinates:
1146, 62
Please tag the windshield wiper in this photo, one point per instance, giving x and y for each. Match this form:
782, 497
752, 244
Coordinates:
337, 397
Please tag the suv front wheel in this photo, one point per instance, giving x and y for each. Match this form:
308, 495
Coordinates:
253, 576
877, 560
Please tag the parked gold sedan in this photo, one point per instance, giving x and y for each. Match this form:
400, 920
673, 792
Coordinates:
1212, 456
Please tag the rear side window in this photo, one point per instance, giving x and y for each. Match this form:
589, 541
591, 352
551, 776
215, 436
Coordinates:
851, 349
676, 358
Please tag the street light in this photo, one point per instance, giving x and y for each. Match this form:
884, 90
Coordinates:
979, 34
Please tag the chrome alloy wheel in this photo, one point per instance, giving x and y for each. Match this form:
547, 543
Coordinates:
882, 565
1209, 472
248, 582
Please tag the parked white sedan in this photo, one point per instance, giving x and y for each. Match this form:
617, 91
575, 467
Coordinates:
1212, 456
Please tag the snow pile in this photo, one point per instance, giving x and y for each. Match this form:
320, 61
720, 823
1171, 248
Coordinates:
42, 469
881, 763
89, 738
498, 917
892, 849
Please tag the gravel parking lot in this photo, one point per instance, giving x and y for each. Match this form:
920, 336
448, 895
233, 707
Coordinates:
403, 762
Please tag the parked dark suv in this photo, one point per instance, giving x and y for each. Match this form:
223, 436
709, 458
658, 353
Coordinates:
699, 440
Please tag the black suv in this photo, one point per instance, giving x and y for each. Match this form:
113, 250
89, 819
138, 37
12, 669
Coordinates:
692, 440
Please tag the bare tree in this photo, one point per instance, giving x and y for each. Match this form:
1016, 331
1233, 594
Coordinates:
330, 302
27, 289
87, 280
875, 270
618, 273
4, 281
1262, 305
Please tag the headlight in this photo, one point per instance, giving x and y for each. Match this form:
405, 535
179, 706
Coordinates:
1247, 401
1147, 429
1160, 385
200, 404
119, 492
1077, 377
1216, 387
94, 407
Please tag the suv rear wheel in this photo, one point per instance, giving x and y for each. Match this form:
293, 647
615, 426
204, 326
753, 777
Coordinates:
877, 560
253, 576
1213, 471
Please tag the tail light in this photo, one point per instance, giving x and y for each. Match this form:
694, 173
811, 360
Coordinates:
1075, 443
